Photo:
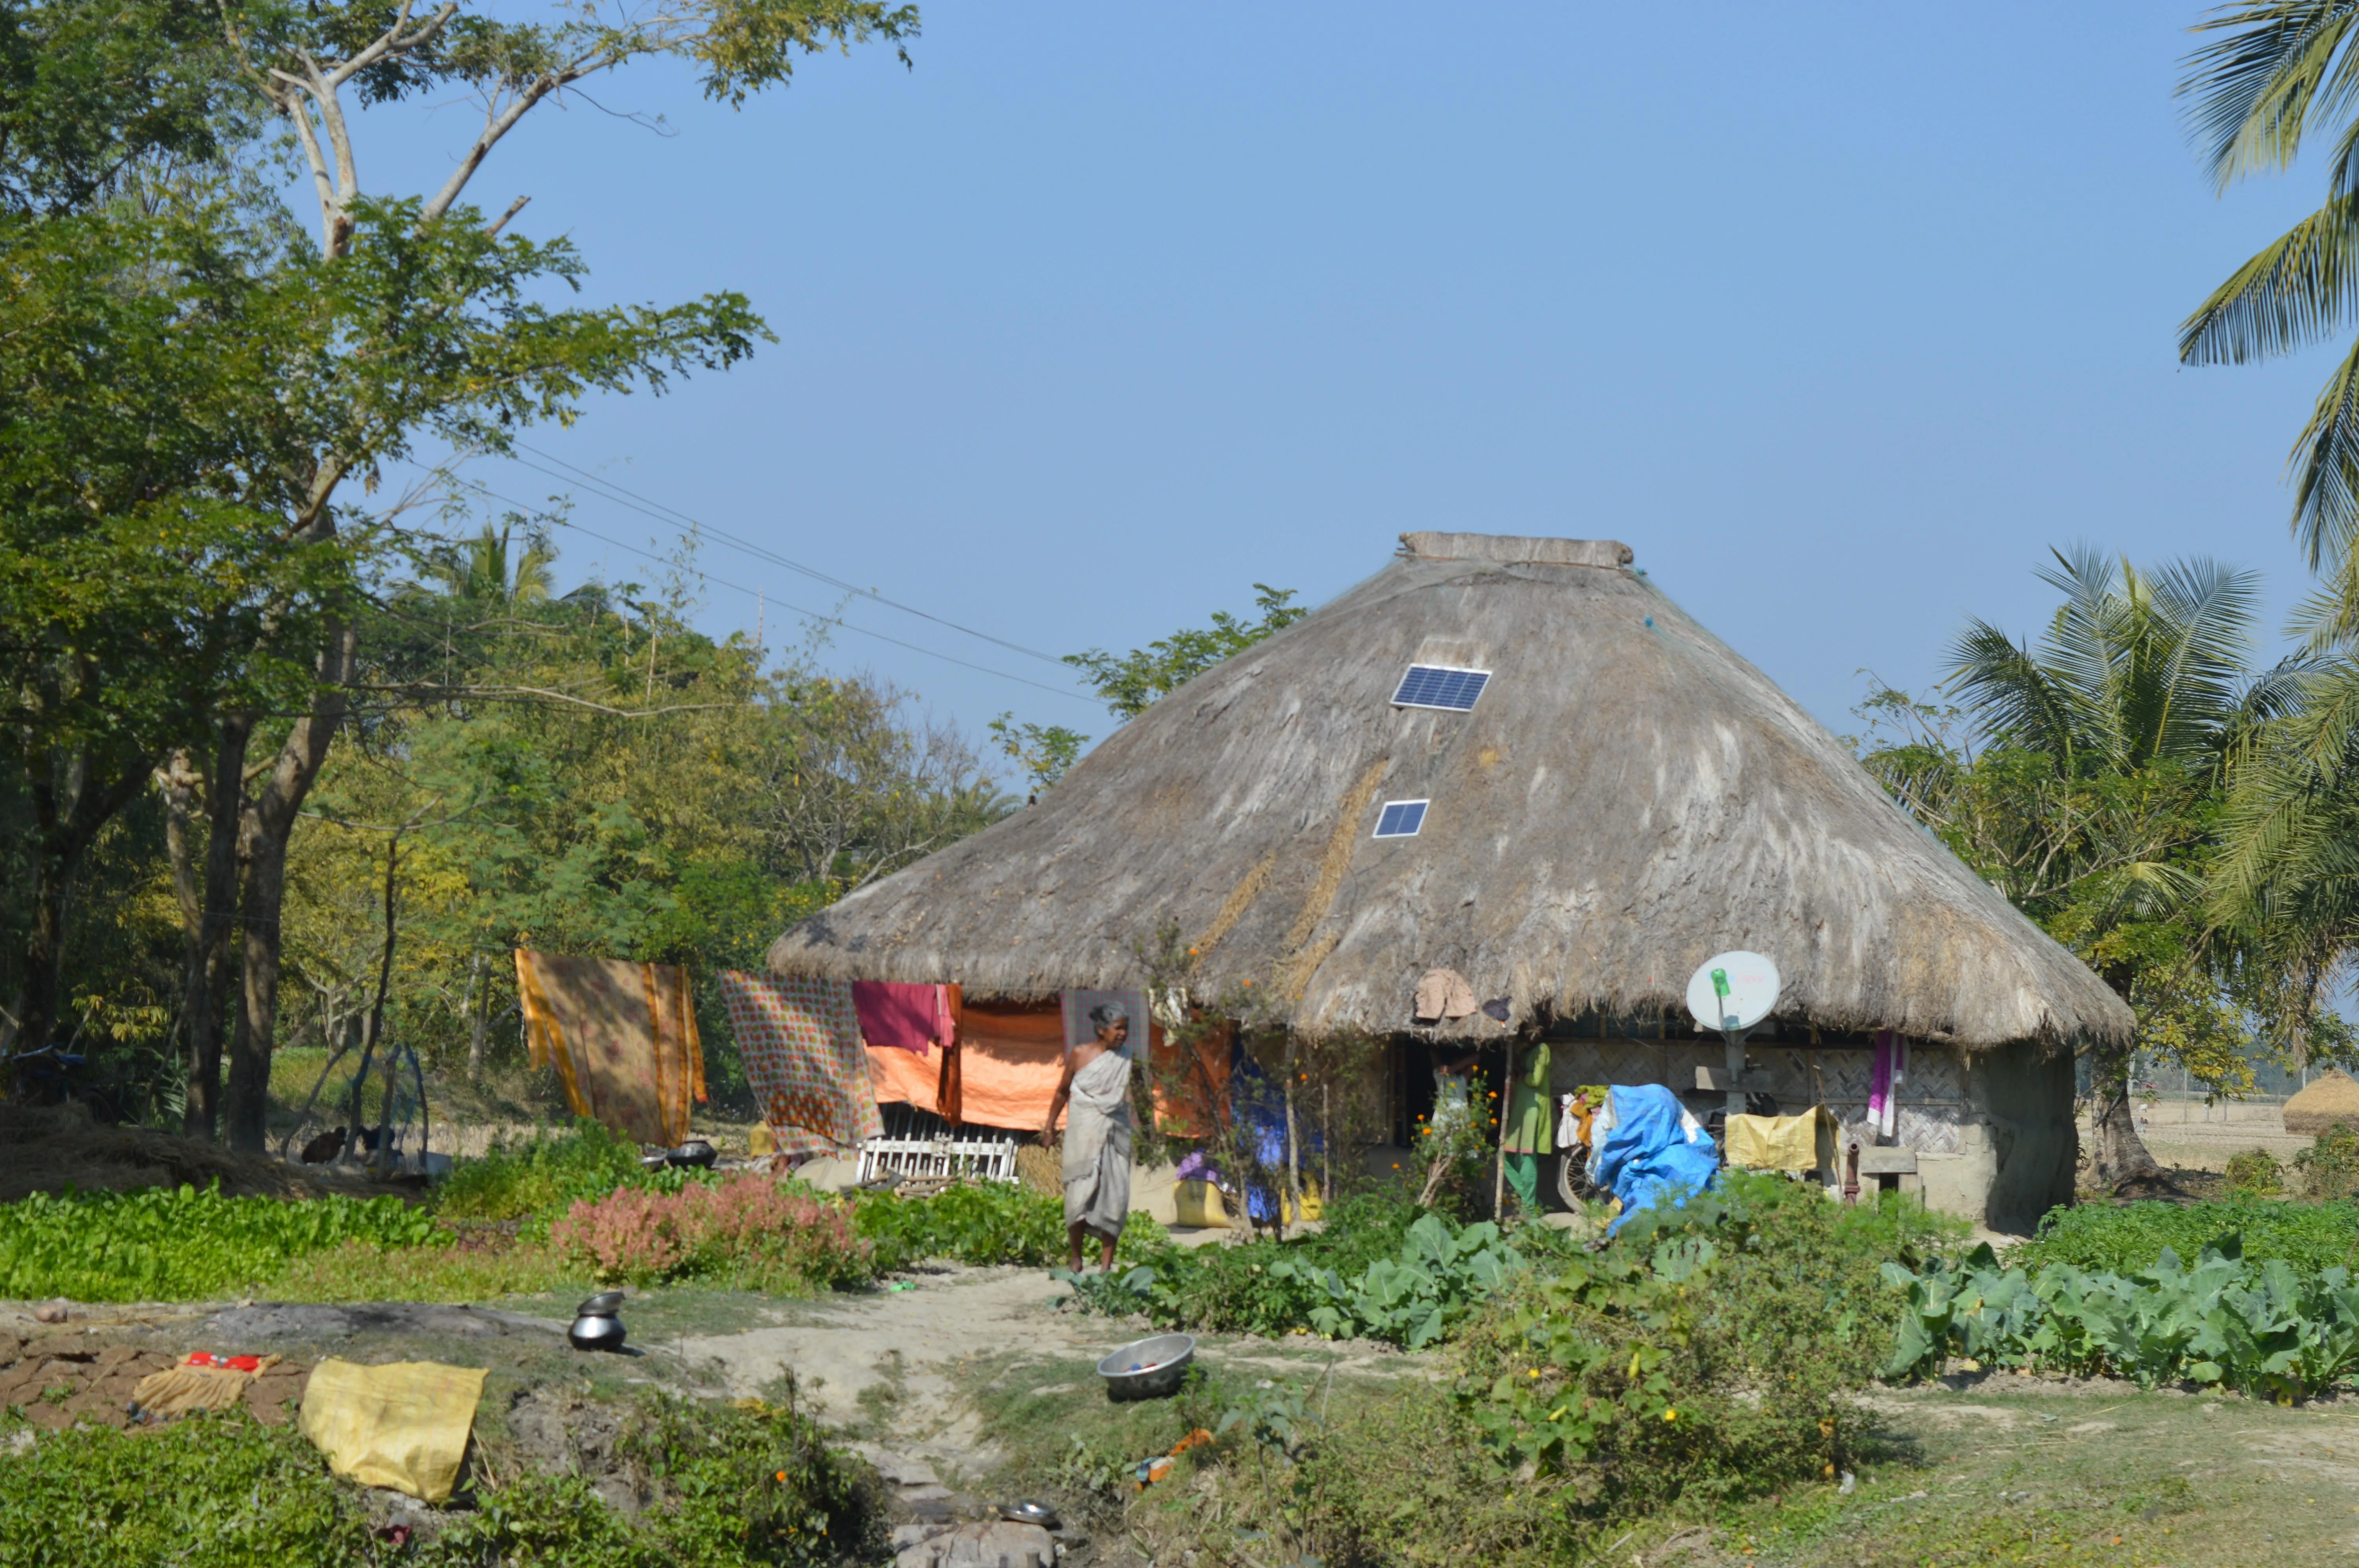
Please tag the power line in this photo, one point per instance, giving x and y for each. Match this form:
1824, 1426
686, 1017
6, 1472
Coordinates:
664, 513
814, 614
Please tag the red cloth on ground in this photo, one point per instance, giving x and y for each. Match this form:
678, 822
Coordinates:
911, 1017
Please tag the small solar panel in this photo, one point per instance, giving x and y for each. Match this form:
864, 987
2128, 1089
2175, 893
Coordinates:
1401, 819
1438, 686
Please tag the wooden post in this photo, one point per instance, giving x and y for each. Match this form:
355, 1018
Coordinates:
1499, 1164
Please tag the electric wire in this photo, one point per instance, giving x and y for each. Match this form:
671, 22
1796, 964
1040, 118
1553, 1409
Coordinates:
820, 616
609, 490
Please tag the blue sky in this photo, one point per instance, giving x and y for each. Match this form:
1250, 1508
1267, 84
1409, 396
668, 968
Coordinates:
1840, 316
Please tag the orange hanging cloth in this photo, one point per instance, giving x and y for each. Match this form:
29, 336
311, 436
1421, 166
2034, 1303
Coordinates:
622, 1037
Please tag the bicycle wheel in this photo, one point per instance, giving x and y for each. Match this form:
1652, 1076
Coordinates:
1572, 1178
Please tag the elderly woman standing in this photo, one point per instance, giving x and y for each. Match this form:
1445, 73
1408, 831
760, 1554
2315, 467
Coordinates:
1096, 1082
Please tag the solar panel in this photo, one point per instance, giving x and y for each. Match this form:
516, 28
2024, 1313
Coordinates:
1438, 686
1401, 819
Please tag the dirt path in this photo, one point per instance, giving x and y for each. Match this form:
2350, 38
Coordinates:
891, 1365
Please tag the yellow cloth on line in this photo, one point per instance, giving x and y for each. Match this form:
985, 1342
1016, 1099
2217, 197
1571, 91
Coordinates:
622, 1037
1804, 1142
402, 1425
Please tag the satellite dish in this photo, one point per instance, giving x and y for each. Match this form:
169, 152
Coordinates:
1733, 991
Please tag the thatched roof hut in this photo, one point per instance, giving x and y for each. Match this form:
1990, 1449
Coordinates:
1626, 797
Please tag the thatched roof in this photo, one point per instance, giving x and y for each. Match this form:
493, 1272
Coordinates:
1628, 797
2333, 1097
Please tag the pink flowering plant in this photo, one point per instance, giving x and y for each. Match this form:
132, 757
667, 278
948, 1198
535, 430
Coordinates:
745, 1231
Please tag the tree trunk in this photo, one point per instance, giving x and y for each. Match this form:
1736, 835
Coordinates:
479, 1019
69, 812
2118, 1159
208, 976
265, 826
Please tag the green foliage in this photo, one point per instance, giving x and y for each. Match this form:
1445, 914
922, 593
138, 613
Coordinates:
980, 1222
167, 1244
2129, 1237
540, 1179
2255, 1173
734, 1485
1275, 1414
1704, 1349
211, 1491
2262, 1327
1130, 684
1374, 1273
2330, 1166
1043, 751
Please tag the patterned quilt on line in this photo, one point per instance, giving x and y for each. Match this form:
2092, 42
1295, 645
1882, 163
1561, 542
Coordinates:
799, 1041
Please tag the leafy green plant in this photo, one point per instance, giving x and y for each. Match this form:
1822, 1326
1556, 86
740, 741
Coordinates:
214, 1491
1380, 1269
178, 1244
1273, 1414
2127, 1237
981, 1222
2330, 1166
2255, 1173
540, 1179
2257, 1326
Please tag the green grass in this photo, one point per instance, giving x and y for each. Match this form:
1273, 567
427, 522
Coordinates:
2128, 1237
734, 1486
992, 1222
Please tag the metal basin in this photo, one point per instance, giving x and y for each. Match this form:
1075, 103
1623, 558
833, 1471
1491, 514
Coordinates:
1147, 1369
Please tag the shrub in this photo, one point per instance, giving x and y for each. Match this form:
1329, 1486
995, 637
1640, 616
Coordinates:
2330, 1166
2255, 1173
746, 1230
541, 1178
2127, 1238
178, 1244
982, 1223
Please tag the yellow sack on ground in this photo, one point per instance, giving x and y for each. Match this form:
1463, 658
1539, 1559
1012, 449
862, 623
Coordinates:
1198, 1204
402, 1425
1779, 1142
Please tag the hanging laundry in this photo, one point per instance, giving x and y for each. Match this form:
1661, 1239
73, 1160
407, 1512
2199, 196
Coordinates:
950, 1085
799, 1038
622, 1037
1442, 995
1890, 1067
908, 1018
1010, 1057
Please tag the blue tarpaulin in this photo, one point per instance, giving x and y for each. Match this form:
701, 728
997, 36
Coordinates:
1654, 1153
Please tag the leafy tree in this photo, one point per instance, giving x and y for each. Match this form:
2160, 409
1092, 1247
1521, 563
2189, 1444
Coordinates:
2277, 72
1129, 684
2093, 798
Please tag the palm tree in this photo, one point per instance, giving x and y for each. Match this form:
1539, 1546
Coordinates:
2280, 69
478, 570
2126, 711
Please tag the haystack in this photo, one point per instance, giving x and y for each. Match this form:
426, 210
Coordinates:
1624, 798
2333, 1097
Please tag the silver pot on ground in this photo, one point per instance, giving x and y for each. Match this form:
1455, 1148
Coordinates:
597, 1322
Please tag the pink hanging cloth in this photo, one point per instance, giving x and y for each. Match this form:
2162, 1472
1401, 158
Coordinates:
911, 1017
1885, 1078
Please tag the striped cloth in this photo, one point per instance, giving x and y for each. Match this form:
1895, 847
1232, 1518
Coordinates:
799, 1041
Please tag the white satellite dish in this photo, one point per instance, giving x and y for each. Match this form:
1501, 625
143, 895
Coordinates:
1733, 991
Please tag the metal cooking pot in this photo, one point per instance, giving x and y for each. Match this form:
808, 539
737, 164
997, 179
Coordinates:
1146, 1368
596, 1325
696, 1153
